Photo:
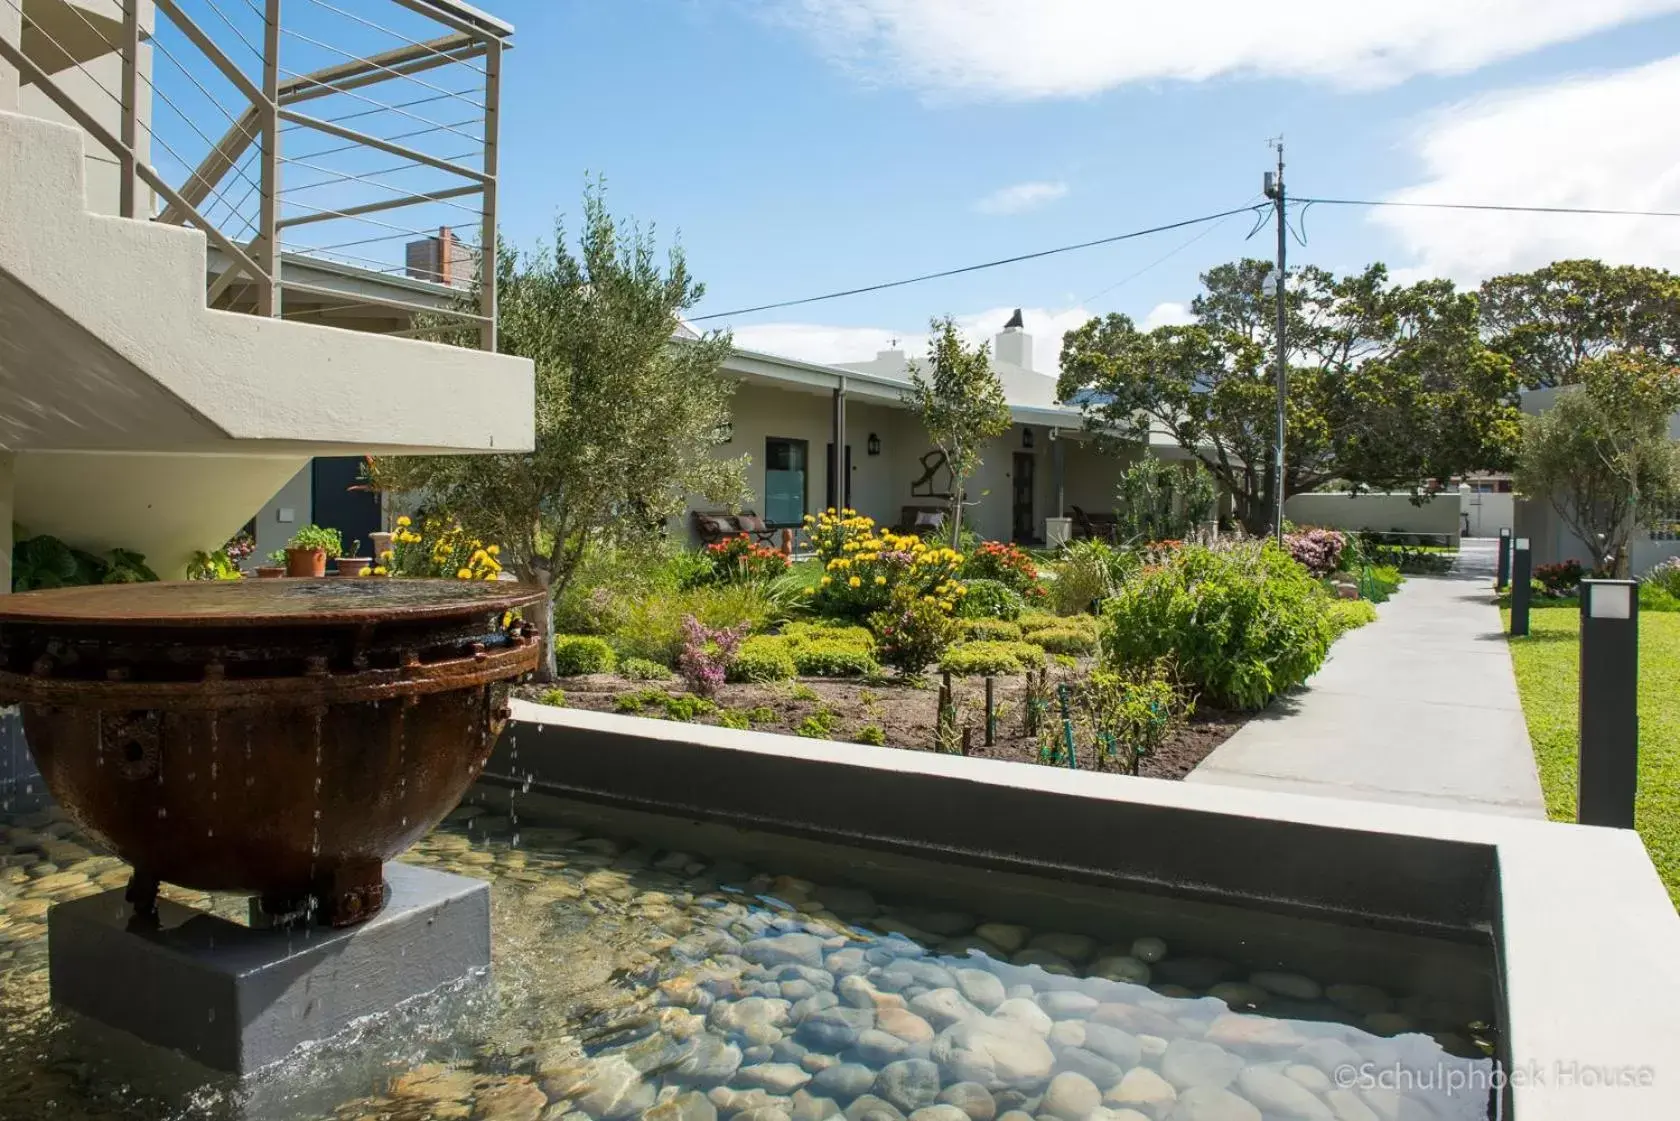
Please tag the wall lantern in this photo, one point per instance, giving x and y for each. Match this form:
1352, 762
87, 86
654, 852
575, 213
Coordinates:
874, 444
1026, 438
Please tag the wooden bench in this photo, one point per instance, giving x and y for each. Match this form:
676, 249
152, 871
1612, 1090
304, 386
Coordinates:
1098, 526
712, 526
907, 519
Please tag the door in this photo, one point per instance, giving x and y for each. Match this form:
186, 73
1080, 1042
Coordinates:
784, 482
1025, 525
836, 499
353, 512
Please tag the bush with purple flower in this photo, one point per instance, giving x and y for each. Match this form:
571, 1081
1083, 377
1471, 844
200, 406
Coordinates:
706, 653
1319, 551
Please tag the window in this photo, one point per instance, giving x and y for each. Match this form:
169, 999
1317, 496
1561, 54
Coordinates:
785, 477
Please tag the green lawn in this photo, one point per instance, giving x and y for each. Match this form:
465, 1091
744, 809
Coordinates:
1548, 677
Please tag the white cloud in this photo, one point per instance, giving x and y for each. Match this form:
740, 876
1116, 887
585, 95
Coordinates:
1016, 49
816, 342
1167, 314
1020, 197
1587, 142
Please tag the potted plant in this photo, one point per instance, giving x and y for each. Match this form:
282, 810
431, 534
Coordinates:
381, 545
309, 548
275, 568
354, 564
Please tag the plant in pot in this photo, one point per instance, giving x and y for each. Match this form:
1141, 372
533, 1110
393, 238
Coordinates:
275, 568
309, 548
352, 563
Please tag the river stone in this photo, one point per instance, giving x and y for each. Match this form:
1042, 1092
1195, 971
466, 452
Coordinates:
982, 989
1388, 1023
850, 960
1205, 1103
1073, 947
1023, 1012
775, 1112
796, 989
777, 1078
946, 924
1113, 1044
809, 1108
844, 1082
804, 1009
708, 1059
1328, 1055
692, 1106
798, 949
1005, 936
905, 1024
879, 1048
1392, 1105
995, 1053
1276, 1093
1149, 950
975, 1101
1233, 1030
871, 1108
1045, 960
816, 1063
1070, 1096
1121, 968
1192, 972
835, 1029
614, 1090
938, 1112
1015, 1115
1291, 985
1360, 999
859, 992
1144, 1090
909, 1084
1065, 1004
1093, 1066
1345, 1105
846, 900
1190, 1062
1310, 1077
943, 1007
1065, 1034
1240, 995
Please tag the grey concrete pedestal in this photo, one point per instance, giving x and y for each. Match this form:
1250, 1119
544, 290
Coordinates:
235, 999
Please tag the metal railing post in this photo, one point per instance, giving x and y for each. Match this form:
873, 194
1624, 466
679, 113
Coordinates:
129, 131
268, 112
487, 236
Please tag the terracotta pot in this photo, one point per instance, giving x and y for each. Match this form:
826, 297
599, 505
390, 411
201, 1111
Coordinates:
306, 562
352, 566
270, 571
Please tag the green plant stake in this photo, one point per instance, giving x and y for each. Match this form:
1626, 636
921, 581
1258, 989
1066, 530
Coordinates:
1067, 726
991, 711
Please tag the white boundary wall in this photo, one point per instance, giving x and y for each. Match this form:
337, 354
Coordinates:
1380, 512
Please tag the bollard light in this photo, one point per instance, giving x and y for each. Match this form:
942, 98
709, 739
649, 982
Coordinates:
1609, 712
1521, 573
1504, 576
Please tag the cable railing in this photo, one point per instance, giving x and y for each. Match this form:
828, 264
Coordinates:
339, 155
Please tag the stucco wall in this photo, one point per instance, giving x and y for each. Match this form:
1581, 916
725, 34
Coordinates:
1380, 512
296, 497
1551, 541
1488, 512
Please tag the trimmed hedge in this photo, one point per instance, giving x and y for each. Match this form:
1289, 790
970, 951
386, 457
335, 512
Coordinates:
763, 658
972, 659
1066, 640
827, 658
991, 630
578, 654
642, 669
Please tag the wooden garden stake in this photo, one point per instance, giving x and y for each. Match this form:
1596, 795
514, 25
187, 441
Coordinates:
991, 711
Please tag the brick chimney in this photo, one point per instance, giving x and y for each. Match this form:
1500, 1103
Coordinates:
440, 259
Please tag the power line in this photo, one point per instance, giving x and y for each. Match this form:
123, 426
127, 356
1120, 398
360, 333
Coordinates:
975, 268
1490, 206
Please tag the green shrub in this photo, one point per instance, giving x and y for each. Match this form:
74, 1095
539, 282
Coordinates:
1381, 581
819, 725
651, 626
687, 707
1242, 623
1350, 614
803, 692
991, 630
913, 633
1655, 597
1087, 571
763, 658
640, 669
872, 734
1066, 661
639, 700
554, 698
762, 714
990, 599
577, 654
1132, 712
1066, 640
825, 658
973, 659
836, 633
732, 718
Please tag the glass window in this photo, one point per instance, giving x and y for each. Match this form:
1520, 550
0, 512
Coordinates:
784, 481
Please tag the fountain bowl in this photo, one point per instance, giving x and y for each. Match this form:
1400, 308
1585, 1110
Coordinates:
282, 738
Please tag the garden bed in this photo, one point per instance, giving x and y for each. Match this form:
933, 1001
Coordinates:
903, 714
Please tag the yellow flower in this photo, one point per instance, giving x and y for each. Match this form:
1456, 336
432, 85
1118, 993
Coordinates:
880, 581
379, 569
386, 555
962, 589
946, 604
490, 575
405, 521
363, 571
810, 591
464, 574
493, 550
855, 582
827, 580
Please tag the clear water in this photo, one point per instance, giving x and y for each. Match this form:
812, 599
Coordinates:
662, 969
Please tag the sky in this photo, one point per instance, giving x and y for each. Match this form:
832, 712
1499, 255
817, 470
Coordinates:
796, 147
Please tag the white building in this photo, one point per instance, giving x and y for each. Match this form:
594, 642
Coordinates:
172, 353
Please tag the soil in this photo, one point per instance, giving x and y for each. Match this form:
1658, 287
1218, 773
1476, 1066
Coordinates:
907, 714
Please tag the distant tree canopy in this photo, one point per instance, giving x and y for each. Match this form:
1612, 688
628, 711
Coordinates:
1549, 321
1389, 385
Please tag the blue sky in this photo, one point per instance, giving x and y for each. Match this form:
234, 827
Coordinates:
795, 156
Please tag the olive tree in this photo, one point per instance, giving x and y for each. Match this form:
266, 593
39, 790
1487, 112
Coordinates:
960, 400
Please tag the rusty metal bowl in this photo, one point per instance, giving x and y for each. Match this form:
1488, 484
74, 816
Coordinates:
278, 737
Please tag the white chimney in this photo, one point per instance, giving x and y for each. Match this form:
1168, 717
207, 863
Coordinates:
1013, 345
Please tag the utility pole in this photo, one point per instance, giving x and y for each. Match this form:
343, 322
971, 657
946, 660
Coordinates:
1274, 191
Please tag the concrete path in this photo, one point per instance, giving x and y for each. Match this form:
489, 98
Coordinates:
1419, 707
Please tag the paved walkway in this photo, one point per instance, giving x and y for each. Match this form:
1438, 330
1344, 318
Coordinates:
1419, 707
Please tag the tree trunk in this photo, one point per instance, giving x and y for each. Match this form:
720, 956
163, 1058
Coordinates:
956, 514
541, 615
